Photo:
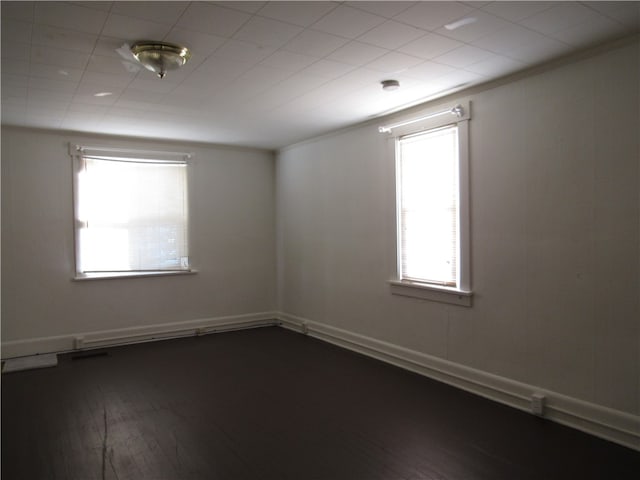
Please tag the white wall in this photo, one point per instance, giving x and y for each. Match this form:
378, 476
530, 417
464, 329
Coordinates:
232, 207
555, 236
555, 202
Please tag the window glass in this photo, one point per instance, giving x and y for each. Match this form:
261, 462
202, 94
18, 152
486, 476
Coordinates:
428, 206
131, 215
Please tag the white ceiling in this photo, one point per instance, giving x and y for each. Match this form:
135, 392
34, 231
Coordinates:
268, 74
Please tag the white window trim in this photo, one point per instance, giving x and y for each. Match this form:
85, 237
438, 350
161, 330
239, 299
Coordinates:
458, 114
76, 151
434, 293
110, 275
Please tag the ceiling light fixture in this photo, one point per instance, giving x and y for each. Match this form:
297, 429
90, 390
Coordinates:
160, 56
390, 85
460, 23
102, 94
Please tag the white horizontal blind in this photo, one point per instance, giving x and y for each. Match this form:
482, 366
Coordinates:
132, 215
428, 206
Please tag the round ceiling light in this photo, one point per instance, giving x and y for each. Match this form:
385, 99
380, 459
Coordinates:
390, 85
160, 56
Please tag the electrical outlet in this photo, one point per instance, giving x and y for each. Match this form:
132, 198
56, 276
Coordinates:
538, 404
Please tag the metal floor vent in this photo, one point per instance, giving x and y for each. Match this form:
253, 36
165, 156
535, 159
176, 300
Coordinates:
89, 354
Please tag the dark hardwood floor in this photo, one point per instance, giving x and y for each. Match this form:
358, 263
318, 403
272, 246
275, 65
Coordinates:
272, 404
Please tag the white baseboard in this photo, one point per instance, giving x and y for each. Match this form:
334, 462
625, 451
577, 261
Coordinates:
122, 336
613, 425
616, 426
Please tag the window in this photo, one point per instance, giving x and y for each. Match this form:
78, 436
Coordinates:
428, 206
432, 206
131, 212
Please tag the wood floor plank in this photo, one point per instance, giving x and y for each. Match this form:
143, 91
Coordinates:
268, 404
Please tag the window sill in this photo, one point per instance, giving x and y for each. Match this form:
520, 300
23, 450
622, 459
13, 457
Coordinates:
81, 277
434, 293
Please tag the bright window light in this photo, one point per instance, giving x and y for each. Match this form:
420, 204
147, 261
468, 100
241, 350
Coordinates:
131, 215
428, 207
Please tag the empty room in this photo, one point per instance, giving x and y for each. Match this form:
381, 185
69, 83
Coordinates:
359, 240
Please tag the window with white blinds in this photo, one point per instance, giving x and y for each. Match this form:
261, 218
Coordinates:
431, 152
429, 206
131, 212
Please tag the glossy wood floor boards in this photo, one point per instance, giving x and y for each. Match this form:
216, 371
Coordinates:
271, 404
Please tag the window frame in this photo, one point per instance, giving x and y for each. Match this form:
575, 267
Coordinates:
77, 152
435, 118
